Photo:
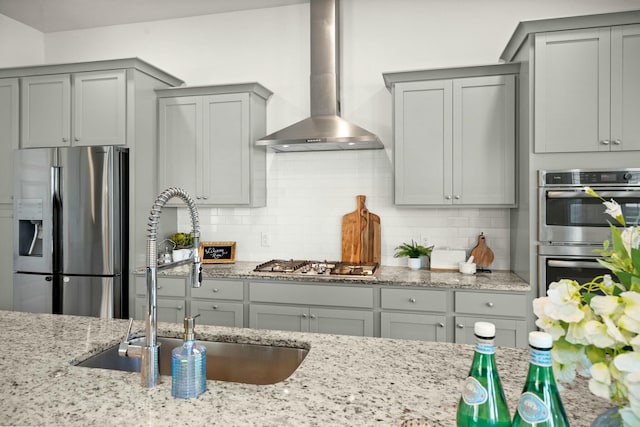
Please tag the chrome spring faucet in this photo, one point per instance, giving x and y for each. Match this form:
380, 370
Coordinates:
150, 351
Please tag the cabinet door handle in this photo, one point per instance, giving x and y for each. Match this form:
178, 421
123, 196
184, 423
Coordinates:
457, 197
448, 197
159, 287
64, 140
489, 304
216, 290
605, 142
313, 316
205, 197
179, 307
441, 324
215, 307
198, 197
304, 315
413, 300
617, 142
76, 139
460, 326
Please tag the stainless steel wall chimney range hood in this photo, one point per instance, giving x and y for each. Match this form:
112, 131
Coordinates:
325, 130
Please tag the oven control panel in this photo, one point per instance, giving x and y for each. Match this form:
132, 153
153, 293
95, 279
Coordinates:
590, 177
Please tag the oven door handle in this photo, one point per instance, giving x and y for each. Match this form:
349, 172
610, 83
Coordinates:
574, 264
577, 194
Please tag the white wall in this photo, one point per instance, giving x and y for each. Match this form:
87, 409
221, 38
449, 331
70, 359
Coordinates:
19, 44
308, 193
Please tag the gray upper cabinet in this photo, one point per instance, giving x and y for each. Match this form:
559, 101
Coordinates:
9, 119
207, 143
455, 138
96, 101
587, 90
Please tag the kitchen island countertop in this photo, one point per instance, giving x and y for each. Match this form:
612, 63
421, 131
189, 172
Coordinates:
498, 280
343, 380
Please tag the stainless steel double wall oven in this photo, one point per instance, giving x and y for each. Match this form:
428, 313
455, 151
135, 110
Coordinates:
573, 224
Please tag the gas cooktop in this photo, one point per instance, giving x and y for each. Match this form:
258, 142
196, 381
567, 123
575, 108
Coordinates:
312, 268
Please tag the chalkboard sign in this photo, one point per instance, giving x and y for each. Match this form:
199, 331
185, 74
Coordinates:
217, 252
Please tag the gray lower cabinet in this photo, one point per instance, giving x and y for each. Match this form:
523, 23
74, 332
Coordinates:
509, 332
412, 326
506, 311
219, 302
311, 319
417, 324
346, 310
172, 304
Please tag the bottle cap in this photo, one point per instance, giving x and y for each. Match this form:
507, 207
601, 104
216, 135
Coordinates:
540, 339
484, 329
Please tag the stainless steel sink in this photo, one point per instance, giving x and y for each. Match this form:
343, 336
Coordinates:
241, 363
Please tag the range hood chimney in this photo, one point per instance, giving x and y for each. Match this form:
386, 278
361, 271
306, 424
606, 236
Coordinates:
325, 130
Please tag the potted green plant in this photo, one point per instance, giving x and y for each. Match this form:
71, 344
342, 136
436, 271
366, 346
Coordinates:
414, 252
184, 243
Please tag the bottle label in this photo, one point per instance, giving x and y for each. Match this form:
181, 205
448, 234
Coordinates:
540, 357
473, 393
485, 348
532, 409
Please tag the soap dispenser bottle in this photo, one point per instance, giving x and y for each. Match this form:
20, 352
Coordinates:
188, 365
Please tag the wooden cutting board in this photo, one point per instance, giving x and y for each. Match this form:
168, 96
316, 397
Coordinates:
361, 235
482, 255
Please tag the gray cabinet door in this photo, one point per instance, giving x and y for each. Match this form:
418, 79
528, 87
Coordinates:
625, 87
99, 108
484, 140
46, 111
509, 333
572, 91
342, 322
226, 146
423, 142
284, 318
9, 119
218, 313
424, 327
168, 310
180, 141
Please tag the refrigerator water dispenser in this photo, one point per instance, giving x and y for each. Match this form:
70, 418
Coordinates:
30, 216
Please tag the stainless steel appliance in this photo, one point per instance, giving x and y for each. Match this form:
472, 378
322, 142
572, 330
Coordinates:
569, 215
314, 268
573, 224
70, 231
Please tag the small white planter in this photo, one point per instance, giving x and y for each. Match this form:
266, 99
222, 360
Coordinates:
415, 263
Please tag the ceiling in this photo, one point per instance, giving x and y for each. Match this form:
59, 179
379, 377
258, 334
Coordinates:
62, 15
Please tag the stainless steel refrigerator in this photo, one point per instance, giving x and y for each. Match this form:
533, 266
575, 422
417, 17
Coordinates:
70, 231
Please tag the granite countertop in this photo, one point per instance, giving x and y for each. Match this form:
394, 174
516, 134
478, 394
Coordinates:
388, 276
343, 380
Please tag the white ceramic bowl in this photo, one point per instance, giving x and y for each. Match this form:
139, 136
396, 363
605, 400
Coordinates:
467, 267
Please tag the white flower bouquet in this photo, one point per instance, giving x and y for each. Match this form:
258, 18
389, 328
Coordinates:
596, 325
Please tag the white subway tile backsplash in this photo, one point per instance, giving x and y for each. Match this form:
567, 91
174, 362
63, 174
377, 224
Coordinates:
307, 195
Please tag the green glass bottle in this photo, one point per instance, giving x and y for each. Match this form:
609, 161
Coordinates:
482, 402
540, 403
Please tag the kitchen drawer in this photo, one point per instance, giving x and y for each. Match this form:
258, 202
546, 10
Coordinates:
219, 289
167, 286
294, 293
491, 304
414, 299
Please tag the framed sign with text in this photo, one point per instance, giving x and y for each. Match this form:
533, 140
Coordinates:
217, 252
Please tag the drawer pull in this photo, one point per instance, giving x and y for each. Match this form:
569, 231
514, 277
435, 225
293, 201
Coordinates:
304, 316
617, 142
159, 287
412, 300
216, 290
313, 316
489, 304
460, 326
179, 307
441, 324
215, 307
